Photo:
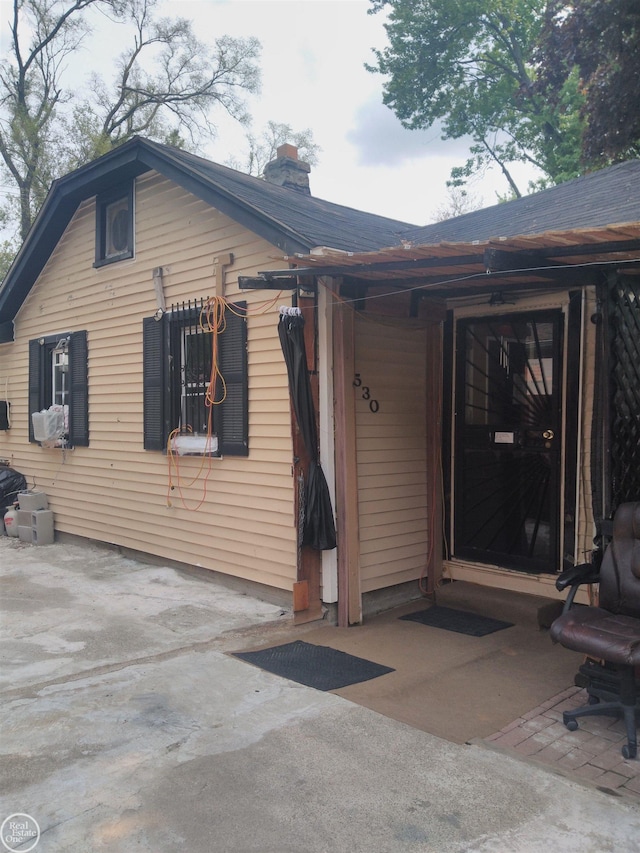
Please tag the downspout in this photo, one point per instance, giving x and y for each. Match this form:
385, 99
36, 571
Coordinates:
327, 429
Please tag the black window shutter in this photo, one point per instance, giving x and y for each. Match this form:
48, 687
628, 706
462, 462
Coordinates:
155, 428
35, 374
78, 390
233, 420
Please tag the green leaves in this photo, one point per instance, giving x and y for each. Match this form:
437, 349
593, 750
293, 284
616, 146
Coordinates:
164, 84
469, 65
597, 44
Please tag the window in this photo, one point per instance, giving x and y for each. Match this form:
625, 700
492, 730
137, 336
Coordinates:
58, 377
195, 370
114, 226
177, 367
60, 374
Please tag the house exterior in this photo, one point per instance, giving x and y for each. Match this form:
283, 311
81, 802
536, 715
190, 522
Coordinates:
467, 405
94, 316
495, 419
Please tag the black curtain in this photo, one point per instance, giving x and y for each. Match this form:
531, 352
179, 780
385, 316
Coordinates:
318, 528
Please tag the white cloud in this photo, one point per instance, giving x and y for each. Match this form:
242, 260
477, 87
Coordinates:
381, 138
314, 76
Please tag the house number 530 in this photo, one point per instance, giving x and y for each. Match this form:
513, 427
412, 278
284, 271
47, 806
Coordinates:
366, 393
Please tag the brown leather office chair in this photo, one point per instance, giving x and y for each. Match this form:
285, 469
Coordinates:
609, 632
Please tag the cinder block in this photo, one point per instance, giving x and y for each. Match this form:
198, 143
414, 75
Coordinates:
25, 533
24, 518
33, 500
42, 527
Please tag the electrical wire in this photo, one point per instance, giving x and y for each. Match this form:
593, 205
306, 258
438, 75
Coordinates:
470, 277
212, 320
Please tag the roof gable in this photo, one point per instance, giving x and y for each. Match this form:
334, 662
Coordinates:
296, 223
289, 220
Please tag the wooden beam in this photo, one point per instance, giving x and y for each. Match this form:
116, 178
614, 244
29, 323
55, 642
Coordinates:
348, 530
262, 282
434, 390
499, 260
307, 590
362, 269
300, 596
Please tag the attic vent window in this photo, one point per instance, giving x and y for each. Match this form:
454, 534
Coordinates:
114, 226
117, 231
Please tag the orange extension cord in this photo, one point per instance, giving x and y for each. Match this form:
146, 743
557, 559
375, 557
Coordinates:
212, 320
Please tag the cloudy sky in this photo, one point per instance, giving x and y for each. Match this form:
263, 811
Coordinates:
313, 71
313, 76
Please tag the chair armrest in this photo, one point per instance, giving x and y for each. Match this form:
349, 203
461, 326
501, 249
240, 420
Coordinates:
573, 577
577, 575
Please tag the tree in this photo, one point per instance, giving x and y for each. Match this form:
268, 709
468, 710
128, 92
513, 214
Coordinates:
164, 84
597, 41
469, 65
7, 247
458, 202
262, 149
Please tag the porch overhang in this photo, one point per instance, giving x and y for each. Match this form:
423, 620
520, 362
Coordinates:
480, 270
448, 270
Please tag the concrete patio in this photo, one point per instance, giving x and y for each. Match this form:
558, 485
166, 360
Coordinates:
127, 725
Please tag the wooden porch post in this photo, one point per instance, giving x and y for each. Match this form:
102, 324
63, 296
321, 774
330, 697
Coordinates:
434, 391
349, 594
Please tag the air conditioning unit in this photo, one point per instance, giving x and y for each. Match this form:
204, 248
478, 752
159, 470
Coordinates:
49, 424
194, 445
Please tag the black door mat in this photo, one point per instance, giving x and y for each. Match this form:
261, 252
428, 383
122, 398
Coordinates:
314, 666
460, 621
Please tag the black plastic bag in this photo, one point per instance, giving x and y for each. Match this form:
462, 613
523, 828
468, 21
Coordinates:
11, 483
319, 527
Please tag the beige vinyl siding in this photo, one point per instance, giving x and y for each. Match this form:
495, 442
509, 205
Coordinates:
113, 490
391, 452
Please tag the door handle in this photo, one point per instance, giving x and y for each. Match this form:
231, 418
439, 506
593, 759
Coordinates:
548, 434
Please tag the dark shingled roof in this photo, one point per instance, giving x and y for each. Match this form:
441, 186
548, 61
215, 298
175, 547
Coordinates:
295, 222
317, 222
290, 220
608, 197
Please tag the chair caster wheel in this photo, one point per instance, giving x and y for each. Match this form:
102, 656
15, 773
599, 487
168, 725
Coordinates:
629, 751
572, 725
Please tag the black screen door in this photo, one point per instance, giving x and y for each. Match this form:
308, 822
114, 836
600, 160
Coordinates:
508, 440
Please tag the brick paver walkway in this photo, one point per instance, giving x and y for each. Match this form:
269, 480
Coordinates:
590, 754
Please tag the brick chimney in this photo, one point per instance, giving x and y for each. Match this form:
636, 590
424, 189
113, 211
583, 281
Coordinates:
287, 171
